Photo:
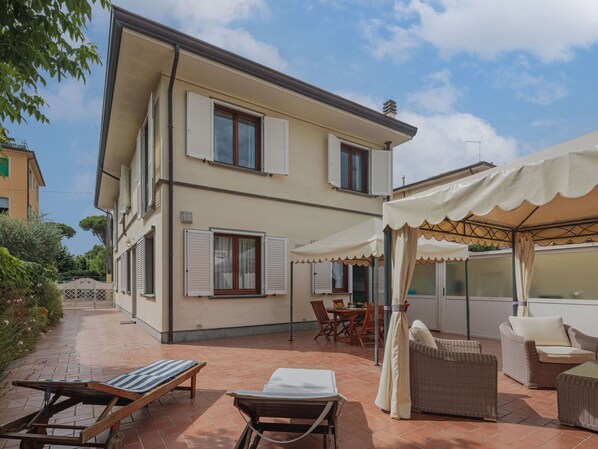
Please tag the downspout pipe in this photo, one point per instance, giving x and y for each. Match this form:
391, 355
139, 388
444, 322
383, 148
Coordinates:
175, 64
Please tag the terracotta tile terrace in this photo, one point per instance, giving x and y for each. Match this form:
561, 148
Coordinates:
93, 344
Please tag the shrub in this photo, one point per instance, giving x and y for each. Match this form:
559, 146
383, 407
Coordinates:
35, 240
75, 274
49, 297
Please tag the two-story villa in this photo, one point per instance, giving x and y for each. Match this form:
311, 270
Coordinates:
20, 179
214, 168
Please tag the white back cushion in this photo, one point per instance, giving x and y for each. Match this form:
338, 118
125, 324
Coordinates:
545, 331
420, 333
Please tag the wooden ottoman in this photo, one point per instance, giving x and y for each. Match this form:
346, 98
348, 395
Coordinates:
577, 396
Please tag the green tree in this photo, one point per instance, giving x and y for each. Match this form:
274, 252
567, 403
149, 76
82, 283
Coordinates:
97, 225
65, 230
97, 259
35, 240
41, 39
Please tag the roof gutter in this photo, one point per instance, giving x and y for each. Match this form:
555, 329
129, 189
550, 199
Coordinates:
175, 64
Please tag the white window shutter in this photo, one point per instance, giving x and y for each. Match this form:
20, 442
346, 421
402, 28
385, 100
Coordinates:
123, 273
199, 263
115, 224
276, 266
322, 277
139, 174
381, 173
150, 150
200, 123
140, 271
115, 274
276, 146
350, 279
334, 160
125, 189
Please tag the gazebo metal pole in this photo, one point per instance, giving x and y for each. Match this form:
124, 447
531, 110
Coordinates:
376, 311
387, 278
467, 312
514, 276
291, 307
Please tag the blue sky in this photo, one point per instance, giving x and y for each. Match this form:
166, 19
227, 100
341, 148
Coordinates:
517, 76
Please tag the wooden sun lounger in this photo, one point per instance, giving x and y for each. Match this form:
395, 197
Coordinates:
32, 429
296, 394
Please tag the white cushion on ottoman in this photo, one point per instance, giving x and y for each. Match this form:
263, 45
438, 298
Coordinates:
564, 354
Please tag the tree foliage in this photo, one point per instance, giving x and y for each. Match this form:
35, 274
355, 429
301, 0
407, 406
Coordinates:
41, 39
35, 240
96, 224
65, 230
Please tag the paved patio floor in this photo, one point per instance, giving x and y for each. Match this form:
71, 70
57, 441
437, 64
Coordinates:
93, 344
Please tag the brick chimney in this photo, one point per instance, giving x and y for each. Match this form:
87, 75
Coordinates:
389, 108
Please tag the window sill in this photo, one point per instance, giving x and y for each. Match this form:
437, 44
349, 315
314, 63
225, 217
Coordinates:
148, 295
237, 296
354, 192
238, 168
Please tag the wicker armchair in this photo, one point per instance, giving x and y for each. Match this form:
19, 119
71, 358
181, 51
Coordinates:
455, 379
520, 360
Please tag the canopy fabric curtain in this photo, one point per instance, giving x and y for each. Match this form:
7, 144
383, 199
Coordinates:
394, 393
524, 269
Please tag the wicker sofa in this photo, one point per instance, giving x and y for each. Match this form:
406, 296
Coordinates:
455, 379
521, 361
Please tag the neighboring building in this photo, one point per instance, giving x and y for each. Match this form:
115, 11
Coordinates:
261, 163
20, 179
442, 178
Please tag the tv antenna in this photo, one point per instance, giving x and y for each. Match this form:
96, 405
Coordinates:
479, 142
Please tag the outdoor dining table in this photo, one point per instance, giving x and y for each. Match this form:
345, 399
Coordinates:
345, 314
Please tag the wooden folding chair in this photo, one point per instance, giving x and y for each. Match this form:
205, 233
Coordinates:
368, 327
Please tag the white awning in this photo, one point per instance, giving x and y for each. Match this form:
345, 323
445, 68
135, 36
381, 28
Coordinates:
552, 194
361, 243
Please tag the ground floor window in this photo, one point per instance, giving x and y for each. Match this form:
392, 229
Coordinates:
340, 278
237, 264
149, 266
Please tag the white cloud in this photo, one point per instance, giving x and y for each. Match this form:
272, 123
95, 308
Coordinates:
72, 100
439, 95
550, 30
213, 21
539, 123
440, 145
530, 88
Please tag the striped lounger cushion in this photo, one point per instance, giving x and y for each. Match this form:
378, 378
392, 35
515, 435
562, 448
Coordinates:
149, 377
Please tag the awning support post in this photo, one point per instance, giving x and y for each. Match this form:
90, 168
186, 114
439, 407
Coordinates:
467, 311
291, 305
515, 298
376, 311
387, 278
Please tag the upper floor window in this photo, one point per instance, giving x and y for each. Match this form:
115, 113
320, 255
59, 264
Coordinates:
4, 166
236, 138
4, 205
354, 169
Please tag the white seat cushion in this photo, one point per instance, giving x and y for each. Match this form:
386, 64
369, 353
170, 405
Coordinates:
545, 331
564, 354
307, 381
420, 333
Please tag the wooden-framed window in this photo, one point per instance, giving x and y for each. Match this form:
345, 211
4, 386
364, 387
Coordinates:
340, 278
149, 265
237, 264
354, 169
237, 138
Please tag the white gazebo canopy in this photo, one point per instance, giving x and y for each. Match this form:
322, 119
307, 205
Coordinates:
363, 243
549, 197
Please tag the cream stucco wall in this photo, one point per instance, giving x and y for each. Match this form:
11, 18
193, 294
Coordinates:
301, 207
